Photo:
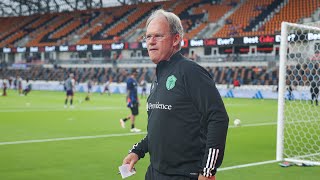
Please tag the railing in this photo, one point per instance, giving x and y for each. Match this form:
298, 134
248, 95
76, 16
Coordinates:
140, 61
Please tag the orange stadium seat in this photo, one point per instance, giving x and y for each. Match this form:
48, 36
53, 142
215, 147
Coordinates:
293, 11
241, 18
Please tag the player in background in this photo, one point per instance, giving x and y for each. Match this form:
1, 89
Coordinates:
132, 101
314, 90
15, 86
290, 94
4, 87
10, 80
89, 87
28, 88
106, 87
70, 88
19, 85
143, 84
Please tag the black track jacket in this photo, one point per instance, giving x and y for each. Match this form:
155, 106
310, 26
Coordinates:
187, 120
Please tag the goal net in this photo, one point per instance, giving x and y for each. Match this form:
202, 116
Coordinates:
298, 133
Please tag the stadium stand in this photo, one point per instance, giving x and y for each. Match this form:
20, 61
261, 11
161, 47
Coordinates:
113, 43
241, 18
13, 28
103, 25
293, 11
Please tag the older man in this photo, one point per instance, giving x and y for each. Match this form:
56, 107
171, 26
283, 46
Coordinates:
187, 120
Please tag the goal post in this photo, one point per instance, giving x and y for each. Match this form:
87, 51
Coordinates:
298, 123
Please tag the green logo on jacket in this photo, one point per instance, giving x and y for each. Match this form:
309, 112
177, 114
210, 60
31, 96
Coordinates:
171, 82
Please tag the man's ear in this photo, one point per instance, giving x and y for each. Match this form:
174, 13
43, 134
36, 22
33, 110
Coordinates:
176, 40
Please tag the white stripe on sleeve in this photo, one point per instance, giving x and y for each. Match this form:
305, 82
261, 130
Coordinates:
211, 162
135, 145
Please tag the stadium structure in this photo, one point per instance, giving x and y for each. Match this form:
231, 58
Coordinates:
258, 45
233, 39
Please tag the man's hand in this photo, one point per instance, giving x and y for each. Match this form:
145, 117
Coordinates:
129, 104
201, 177
131, 159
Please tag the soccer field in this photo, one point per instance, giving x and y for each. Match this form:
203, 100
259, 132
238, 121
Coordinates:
40, 139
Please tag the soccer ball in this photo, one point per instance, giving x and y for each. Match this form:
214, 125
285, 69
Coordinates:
237, 122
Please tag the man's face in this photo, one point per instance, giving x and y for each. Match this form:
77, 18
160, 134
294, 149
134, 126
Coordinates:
134, 75
159, 40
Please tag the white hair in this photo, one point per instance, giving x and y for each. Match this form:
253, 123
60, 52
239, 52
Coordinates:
173, 20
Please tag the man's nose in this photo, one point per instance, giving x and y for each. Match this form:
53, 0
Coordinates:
153, 39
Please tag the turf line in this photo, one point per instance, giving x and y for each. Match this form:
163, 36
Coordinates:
69, 138
132, 134
55, 108
247, 165
105, 136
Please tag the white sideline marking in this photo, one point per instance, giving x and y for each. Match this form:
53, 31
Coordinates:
52, 109
105, 136
247, 165
256, 124
69, 138
132, 134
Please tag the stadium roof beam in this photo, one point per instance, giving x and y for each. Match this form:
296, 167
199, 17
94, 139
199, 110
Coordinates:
29, 7
124, 2
75, 7
8, 6
57, 7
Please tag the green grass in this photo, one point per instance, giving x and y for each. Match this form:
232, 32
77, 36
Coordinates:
41, 115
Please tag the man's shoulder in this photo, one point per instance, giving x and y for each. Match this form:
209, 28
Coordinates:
129, 80
187, 64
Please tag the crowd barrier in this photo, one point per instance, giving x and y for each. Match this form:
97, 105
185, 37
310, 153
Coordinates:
245, 91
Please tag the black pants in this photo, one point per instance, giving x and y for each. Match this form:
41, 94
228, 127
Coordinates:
314, 97
152, 174
135, 109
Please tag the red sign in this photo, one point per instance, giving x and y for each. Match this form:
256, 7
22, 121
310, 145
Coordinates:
72, 48
13, 50
107, 46
134, 45
185, 43
210, 42
266, 39
41, 49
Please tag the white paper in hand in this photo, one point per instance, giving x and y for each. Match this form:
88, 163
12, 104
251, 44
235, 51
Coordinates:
124, 171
